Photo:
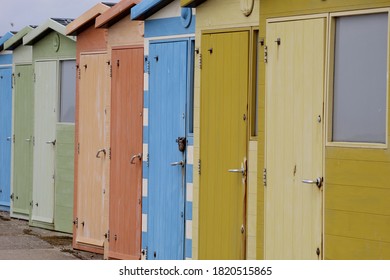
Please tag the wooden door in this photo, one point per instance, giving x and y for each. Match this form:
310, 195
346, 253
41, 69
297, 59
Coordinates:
23, 144
126, 153
223, 145
5, 136
167, 99
294, 139
92, 154
45, 120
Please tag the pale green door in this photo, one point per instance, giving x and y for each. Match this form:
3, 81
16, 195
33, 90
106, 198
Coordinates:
46, 91
23, 144
223, 145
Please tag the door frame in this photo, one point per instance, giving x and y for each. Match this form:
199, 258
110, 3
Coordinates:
325, 16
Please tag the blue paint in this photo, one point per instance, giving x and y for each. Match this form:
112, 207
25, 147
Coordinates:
189, 211
167, 27
5, 59
146, 8
190, 141
189, 173
5, 136
144, 205
4, 39
188, 248
146, 133
146, 99
166, 189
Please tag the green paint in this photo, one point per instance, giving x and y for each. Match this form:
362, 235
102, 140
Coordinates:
46, 47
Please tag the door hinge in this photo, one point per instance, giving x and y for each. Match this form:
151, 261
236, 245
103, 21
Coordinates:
200, 61
78, 148
12, 196
144, 254
33, 140
13, 138
199, 166
13, 80
78, 72
107, 235
265, 177
147, 160
109, 153
76, 222
31, 203
265, 54
35, 77
110, 70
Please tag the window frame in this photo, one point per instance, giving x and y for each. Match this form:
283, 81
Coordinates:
330, 80
60, 89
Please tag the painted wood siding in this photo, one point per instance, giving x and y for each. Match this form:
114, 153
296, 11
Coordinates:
23, 145
356, 180
64, 158
126, 142
5, 136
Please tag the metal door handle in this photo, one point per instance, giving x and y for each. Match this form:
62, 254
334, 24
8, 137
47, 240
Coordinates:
101, 151
27, 140
51, 142
8, 138
139, 156
181, 163
317, 182
241, 170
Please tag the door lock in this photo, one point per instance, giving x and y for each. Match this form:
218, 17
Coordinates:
181, 142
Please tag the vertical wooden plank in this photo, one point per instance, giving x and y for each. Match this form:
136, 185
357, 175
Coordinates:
223, 144
23, 145
91, 188
294, 98
126, 142
46, 95
168, 87
5, 136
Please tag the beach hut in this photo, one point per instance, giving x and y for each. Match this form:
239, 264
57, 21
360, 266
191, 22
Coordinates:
53, 138
126, 52
5, 122
225, 153
90, 216
22, 124
325, 152
168, 129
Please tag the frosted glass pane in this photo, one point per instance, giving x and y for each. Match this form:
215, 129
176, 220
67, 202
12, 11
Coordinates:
68, 91
360, 71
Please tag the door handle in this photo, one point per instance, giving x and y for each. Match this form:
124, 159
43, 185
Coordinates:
241, 170
181, 163
139, 156
101, 151
50, 142
317, 182
27, 140
8, 138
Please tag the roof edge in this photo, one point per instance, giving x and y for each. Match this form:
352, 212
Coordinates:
17, 39
116, 13
191, 3
5, 38
145, 9
86, 19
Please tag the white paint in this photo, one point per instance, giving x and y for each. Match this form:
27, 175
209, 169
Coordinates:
146, 115
144, 222
144, 187
146, 81
190, 154
189, 229
171, 10
145, 152
190, 192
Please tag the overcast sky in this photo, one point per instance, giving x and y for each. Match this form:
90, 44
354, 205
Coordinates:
16, 14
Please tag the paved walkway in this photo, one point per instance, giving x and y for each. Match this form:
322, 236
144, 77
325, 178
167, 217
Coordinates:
18, 241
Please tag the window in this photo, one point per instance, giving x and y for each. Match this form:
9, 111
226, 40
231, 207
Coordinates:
255, 83
68, 91
360, 78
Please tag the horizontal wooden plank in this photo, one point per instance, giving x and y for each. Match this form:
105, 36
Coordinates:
382, 155
344, 248
358, 199
357, 173
357, 225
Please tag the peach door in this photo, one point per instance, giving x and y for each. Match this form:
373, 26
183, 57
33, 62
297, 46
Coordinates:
126, 153
92, 155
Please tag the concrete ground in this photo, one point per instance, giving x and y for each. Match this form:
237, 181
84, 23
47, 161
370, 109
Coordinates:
19, 241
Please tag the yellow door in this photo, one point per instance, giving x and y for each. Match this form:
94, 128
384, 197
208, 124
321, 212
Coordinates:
224, 80
294, 139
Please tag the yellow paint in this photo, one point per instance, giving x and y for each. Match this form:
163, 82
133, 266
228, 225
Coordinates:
252, 202
356, 179
214, 16
223, 146
294, 138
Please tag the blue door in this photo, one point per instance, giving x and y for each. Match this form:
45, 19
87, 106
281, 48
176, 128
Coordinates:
5, 136
167, 108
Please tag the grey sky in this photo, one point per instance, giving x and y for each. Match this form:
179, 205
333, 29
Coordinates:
34, 12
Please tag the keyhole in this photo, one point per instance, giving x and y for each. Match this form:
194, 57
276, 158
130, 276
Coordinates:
155, 254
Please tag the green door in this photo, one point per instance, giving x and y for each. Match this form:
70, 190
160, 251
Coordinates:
23, 148
223, 145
